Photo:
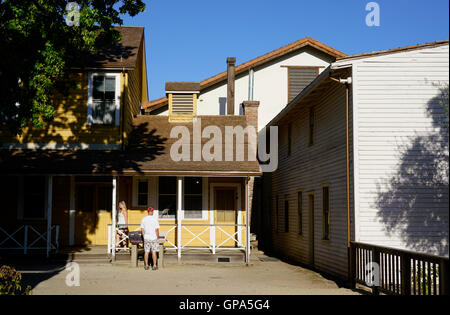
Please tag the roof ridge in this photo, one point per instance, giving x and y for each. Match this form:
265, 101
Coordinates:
256, 62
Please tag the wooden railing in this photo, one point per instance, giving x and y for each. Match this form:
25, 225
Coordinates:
395, 271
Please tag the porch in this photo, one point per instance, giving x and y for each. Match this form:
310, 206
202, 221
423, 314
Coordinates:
197, 213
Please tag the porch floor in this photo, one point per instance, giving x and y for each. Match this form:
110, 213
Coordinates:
98, 254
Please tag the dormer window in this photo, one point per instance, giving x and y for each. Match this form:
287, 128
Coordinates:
104, 99
182, 100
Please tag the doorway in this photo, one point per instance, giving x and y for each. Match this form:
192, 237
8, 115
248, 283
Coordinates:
225, 215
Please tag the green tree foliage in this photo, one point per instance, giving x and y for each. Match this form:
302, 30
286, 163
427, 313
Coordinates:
37, 48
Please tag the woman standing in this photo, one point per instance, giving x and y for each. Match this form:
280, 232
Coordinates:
122, 222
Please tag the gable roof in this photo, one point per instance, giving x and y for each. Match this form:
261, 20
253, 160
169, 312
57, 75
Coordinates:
121, 55
394, 50
304, 42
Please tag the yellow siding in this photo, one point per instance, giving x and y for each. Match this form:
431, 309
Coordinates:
70, 122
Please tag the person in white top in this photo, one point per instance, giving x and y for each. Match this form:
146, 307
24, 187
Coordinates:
122, 222
150, 234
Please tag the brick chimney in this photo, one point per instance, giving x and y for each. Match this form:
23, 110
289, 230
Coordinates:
251, 113
231, 73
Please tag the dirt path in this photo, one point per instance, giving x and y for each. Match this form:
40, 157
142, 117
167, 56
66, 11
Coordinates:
274, 277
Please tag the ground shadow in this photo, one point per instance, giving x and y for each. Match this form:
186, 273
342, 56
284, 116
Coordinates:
413, 203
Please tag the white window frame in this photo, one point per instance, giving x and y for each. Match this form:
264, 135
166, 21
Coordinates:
204, 201
91, 75
136, 180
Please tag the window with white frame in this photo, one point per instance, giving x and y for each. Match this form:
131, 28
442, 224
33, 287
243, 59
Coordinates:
167, 197
193, 197
104, 99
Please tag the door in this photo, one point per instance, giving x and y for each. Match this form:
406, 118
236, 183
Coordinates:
225, 215
311, 228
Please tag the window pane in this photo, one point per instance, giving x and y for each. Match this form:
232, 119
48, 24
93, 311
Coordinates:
98, 87
110, 88
167, 206
85, 198
193, 185
193, 207
167, 185
34, 197
105, 198
143, 187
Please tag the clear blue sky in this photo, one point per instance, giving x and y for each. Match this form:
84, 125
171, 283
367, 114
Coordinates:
190, 40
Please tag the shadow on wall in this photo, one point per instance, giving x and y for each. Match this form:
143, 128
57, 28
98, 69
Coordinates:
414, 202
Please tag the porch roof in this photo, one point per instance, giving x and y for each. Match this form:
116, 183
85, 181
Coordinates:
148, 153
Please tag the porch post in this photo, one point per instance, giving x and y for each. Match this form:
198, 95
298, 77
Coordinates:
49, 213
72, 212
179, 206
247, 241
114, 216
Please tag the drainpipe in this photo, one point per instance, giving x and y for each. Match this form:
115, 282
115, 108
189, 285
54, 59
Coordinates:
250, 84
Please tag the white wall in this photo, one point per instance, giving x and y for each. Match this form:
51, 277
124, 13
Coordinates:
270, 86
401, 156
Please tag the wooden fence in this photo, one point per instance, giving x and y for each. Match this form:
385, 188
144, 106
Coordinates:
395, 271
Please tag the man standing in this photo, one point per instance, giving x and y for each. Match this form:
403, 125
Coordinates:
150, 234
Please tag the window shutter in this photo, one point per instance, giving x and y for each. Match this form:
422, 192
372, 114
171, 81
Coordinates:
299, 78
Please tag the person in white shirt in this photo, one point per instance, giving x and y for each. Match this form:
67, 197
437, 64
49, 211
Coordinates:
150, 234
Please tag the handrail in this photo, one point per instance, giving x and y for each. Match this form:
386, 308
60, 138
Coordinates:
31, 236
398, 271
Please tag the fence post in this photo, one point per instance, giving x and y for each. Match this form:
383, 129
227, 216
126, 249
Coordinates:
376, 260
352, 265
406, 274
443, 277
25, 240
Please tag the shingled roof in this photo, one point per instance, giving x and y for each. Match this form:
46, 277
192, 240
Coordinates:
304, 42
147, 153
121, 55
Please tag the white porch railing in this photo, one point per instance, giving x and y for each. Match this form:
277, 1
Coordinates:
210, 244
28, 237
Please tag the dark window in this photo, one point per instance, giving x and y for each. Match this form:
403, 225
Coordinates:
299, 78
286, 214
326, 212
193, 201
167, 199
289, 148
93, 197
142, 193
300, 212
34, 197
311, 126
103, 100
277, 213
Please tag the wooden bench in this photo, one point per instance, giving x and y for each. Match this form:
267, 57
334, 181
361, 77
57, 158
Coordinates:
136, 240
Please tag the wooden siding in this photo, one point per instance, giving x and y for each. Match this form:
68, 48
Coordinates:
70, 123
402, 150
308, 168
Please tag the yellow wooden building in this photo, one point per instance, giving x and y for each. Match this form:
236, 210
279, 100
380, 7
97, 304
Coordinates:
60, 186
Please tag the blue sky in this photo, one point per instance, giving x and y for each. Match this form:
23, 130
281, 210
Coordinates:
190, 40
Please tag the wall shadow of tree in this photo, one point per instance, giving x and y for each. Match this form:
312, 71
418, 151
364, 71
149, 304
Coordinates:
413, 203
